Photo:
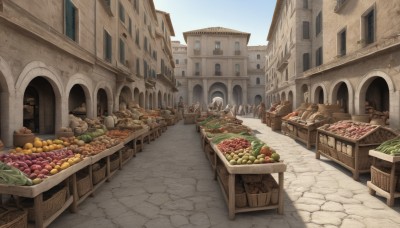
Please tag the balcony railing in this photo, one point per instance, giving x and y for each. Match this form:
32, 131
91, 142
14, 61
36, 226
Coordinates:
339, 5
283, 62
237, 52
218, 73
217, 52
196, 52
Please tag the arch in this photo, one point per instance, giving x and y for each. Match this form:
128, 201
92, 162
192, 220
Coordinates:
218, 86
136, 94
237, 95
109, 92
35, 69
278, 97
160, 102
304, 94
257, 99
86, 84
7, 91
197, 94
283, 96
150, 101
338, 86
165, 99
141, 100
360, 94
319, 94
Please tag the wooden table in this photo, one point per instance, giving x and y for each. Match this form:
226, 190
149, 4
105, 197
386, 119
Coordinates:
233, 170
373, 189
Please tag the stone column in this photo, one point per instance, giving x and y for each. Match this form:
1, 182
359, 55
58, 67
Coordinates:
190, 93
229, 101
244, 93
205, 94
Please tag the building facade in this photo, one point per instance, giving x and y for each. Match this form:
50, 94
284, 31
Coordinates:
215, 63
93, 55
255, 72
353, 56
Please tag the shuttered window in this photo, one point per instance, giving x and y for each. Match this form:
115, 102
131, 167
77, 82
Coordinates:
306, 61
107, 46
306, 30
121, 51
70, 20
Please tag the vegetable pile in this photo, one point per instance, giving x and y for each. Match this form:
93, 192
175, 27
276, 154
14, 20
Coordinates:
349, 129
391, 147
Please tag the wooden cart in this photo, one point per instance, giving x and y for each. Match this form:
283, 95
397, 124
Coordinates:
382, 182
349, 153
306, 134
234, 170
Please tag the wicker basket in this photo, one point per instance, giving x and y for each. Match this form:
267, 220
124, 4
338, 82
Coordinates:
240, 199
114, 163
20, 140
50, 205
14, 218
257, 199
126, 154
328, 151
381, 178
273, 188
99, 175
84, 185
276, 123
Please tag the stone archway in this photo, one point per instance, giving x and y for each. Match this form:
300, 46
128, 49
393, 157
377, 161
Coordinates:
125, 96
7, 96
283, 96
86, 85
136, 94
30, 72
141, 100
218, 87
106, 98
237, 95
198, 94
319, 95
257, 99
342, 94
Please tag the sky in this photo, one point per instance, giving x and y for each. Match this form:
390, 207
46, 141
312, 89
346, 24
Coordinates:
252, 16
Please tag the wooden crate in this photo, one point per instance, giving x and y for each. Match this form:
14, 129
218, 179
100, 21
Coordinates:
14, 218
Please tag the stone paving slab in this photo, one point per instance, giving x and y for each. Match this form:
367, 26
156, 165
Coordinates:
170, 184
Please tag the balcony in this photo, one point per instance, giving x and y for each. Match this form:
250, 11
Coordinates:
196, 52
283, 62
217, 52
339, 5
237, 52
218, 73
197, 73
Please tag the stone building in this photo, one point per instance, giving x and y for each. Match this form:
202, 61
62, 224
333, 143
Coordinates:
57, 56
255, 72
358, 60
215, 63
293, 39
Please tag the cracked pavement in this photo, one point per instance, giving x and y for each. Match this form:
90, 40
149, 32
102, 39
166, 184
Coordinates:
170, 184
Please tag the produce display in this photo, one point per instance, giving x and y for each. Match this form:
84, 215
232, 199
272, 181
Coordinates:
349, 129
38, 166
391, 147
40, 145
13, 176
118, 134
239, 151
78, 125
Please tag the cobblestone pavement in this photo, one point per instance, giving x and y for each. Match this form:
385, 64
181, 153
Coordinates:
170, 184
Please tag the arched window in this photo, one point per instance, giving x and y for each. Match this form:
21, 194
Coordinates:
258, 81
217, 69
258, 66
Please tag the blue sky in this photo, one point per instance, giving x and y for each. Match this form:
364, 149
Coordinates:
253, 16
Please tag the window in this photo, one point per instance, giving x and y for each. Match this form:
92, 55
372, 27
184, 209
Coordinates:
71, 20
258, 56
177, 61
135, 4
107, 46
217, 69
121, 51
137, 66
258, 81
121, 11
197, 45
145, 43
306, 61
217, 45
130, 26
145, 68
183, 73
258, 66
342, 42
197, 68
369, 21
318, 24
305, 4
318, 57
237, 46
137, 41
306, 30
237, 69
286, 75
145, 19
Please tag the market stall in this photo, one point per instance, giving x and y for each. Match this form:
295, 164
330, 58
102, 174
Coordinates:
273, 117
348, 144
